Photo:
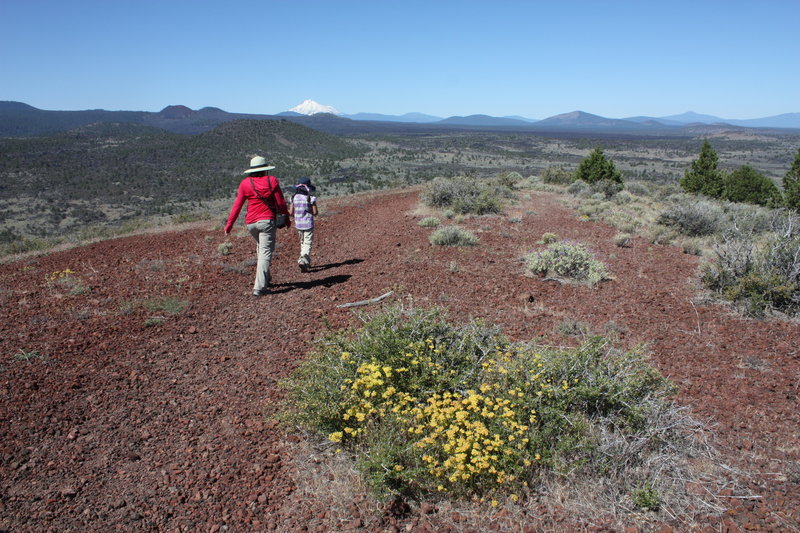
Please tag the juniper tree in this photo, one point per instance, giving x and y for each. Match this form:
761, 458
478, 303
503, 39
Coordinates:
791, 184
596, 168
704, 177
745, 184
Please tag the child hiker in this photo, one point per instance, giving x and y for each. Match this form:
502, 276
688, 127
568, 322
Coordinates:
303, 208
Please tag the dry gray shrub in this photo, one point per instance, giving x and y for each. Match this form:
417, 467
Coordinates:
691, 217
453, 236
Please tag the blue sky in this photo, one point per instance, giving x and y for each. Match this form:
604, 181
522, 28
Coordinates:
536, 59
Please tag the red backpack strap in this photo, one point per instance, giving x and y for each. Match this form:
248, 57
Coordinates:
266, 202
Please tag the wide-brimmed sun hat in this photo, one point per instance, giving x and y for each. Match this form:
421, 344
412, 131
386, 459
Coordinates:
258, 164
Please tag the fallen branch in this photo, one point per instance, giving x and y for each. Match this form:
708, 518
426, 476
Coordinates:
367, 302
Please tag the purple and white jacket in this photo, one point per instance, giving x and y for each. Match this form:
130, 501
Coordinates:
303, 219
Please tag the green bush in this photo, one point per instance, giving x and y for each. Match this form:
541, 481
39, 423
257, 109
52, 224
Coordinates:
747, 185
556, 176
427, 407
453, 236
791, 184
566, 260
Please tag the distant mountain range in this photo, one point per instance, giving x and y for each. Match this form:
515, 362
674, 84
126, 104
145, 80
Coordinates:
19, 120
786, 120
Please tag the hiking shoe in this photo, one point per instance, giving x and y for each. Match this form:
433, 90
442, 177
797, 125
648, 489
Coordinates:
303, 267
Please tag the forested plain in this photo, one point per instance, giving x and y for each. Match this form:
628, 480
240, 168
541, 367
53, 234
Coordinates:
107, 177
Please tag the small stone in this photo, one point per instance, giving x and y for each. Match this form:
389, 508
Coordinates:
68, 492
119, 503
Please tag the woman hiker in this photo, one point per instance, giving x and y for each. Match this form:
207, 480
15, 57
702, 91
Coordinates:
265, 208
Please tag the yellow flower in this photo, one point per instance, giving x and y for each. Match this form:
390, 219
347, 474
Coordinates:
336, 437
398, 468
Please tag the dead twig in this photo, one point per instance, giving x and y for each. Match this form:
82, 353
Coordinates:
367, 302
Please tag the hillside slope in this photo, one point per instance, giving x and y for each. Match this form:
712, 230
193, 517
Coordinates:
121, 411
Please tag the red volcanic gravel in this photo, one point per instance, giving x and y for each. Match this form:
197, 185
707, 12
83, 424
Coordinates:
119, 417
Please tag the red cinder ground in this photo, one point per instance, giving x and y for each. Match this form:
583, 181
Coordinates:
116, 417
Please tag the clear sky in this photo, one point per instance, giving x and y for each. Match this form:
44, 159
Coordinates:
732, 59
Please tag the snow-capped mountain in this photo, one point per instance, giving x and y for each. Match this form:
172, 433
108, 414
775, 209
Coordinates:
310, 107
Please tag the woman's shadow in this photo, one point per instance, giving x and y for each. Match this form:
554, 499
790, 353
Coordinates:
323, 282
319, 268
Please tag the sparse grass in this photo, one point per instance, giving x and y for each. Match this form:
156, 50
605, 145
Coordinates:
169, 305
453, 236
27, 355
548, 238
661, 235
225, 248
152, 265
754, 362
69, 281
692, 246
127, 307
573, 327
623, 240
646, 497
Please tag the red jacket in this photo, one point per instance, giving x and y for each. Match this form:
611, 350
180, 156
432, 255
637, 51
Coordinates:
256, 209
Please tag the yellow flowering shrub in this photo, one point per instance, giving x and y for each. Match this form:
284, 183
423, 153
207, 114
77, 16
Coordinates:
426, 407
